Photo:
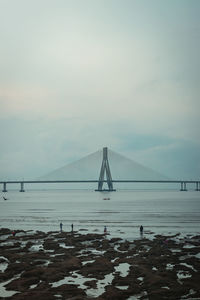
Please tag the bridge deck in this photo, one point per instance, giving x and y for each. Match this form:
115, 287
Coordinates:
110, 187
95, 181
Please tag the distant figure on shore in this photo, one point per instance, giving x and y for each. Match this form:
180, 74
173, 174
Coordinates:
72, 226
61, 225
105, 230
141, 229
13, 233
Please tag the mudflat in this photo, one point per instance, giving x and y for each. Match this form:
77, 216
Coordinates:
80, 265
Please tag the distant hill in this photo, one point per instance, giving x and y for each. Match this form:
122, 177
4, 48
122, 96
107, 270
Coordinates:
88, 168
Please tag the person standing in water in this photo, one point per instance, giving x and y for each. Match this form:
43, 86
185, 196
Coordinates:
72, 226
105, 230
141, 229
61, 225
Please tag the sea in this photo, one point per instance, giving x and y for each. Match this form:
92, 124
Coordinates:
159, 211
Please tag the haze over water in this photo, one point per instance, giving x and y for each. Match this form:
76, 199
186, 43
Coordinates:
161, 211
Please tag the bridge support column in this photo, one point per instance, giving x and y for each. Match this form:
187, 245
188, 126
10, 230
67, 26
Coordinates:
197, 186
105, 169
22, 187
4, 187
183, 186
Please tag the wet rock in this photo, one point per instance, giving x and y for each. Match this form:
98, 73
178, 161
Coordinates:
154, 265
16, 268
34, 272
34, 295
97, 269
91, 284
21, 284
105, 244
69, 290
112, 293
71, 264
114, 240
51, 245
3, 260
124, 246
4, 231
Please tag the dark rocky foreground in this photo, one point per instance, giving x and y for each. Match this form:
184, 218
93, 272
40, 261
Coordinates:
38, 265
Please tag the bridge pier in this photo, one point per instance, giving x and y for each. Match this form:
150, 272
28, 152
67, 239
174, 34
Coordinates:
22, 187
105, 170
183, 186
197, 186
4, 188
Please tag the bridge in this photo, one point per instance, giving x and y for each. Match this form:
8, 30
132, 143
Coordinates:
104, 178
183, 184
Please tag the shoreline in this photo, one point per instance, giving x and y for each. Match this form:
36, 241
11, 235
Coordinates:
80, 265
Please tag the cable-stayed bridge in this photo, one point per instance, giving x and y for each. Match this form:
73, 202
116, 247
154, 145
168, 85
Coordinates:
100, 168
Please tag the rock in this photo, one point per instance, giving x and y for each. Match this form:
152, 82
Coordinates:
34, 295
71, 264
21, 284
4, 231
69, 290
154, 265
97, 269
112, 293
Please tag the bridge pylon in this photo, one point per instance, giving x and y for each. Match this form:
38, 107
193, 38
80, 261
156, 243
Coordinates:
105, 170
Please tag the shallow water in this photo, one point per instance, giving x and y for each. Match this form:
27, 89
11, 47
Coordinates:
158, 211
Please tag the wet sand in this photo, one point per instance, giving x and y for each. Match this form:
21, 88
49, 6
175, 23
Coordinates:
76, 266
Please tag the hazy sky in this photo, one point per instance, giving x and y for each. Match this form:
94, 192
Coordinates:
77, 75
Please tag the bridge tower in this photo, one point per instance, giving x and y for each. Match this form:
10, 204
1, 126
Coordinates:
105, 169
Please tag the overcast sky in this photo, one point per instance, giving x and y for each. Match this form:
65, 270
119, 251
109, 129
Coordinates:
78, 75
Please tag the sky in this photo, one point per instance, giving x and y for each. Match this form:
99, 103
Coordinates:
79, 75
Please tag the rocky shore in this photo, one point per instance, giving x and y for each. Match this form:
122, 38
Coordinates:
53, 265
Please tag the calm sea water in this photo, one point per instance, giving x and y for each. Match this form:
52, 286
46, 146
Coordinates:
158, 211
